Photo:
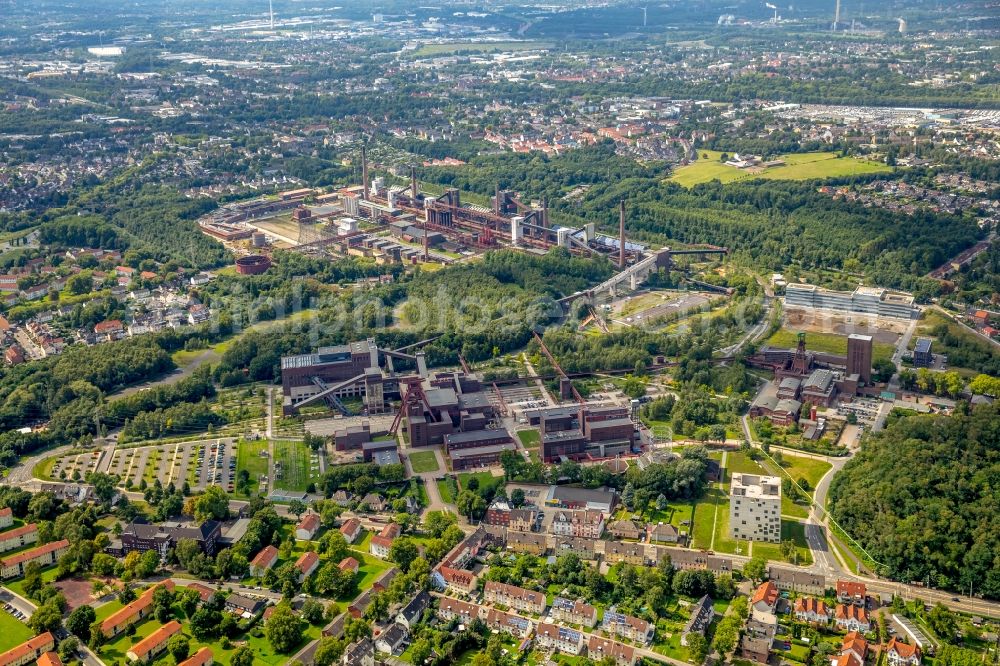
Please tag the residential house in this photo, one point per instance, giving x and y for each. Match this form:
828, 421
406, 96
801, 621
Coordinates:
522, 520
351, 529
204, 592
381, 543
554, 637
518, 598
631, 628
46, 555
585, 549
756, 641
392, 640
852, 618
525, 542
702, 614
358, 606
382, 582
625, 551
132, 612
146, 650
797, 580
765, 597
456, 580
349, 564
812, 610
49, 659
342, 498
898, 653
359, 653
518, 626
306, 564
265, 559
573, 611
307, 527
626, 529
243, 605
411, 613
663, 533
372, 502
621, 655
28, 651
849, 592
584, 523
449, 609
853, 651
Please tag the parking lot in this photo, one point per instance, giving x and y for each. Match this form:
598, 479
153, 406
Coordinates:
200, 464
77, 465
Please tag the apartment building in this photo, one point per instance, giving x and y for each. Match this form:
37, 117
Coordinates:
49, 554
146, 650
131, 613
518, 598
559, 638
631, 628
28, 651
19, 537
585, 523
573, 612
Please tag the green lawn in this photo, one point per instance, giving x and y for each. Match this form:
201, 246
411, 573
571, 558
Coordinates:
295, 459
371, 568
740, 463
790, 531
12, 631
704, 517
799, 166
530, 439
423, 461
485, 479
445, 489
17, 585
248, 457
829, 343
810, 469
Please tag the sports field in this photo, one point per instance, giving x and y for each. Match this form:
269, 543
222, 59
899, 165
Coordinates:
434, 50
798, 166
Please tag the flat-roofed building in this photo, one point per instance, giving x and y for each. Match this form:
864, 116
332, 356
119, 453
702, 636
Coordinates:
755, 508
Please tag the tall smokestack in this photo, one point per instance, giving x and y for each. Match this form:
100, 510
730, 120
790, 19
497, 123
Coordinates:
545, 212
413, 183
364, 172
621, 235
836, 16
426, 251
496, 201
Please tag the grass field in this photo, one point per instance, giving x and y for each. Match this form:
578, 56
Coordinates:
446, 490
295, 460
424, 461
810, 469
829, 343
48, 575
248, 457
529, 438
484, 479
12, 631
432, 50
790, 531
704, 517
799, 166
371, 568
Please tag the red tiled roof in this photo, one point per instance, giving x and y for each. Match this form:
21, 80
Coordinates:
18, 531
49, 659
199, 658
850, 588
30, 646
904, 650
126, 613
266, 557
155, 639
309, 522
349, 563
306, 561
203, 591
766, 592
29, 555
350, 526
6, 511
852, 612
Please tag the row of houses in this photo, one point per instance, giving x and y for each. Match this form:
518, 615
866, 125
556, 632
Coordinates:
40, 648
546, 634
45, 555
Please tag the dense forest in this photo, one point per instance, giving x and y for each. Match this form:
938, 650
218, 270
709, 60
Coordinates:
921, 498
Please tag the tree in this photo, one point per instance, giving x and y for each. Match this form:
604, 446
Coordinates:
697, 647
882, 370
179, 648
420, 651
298, 507
283, 629
213, 504
148, 563
79, 621
436, 522
403, 551
661, 502
724, 587
628, 496
243, 656
755, 569
329, 651
943, 622
47, 617
470, 504
517, 497
68, 648
312, 611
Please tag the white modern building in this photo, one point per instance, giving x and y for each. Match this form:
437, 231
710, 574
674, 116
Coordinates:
755, 508
864, 300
